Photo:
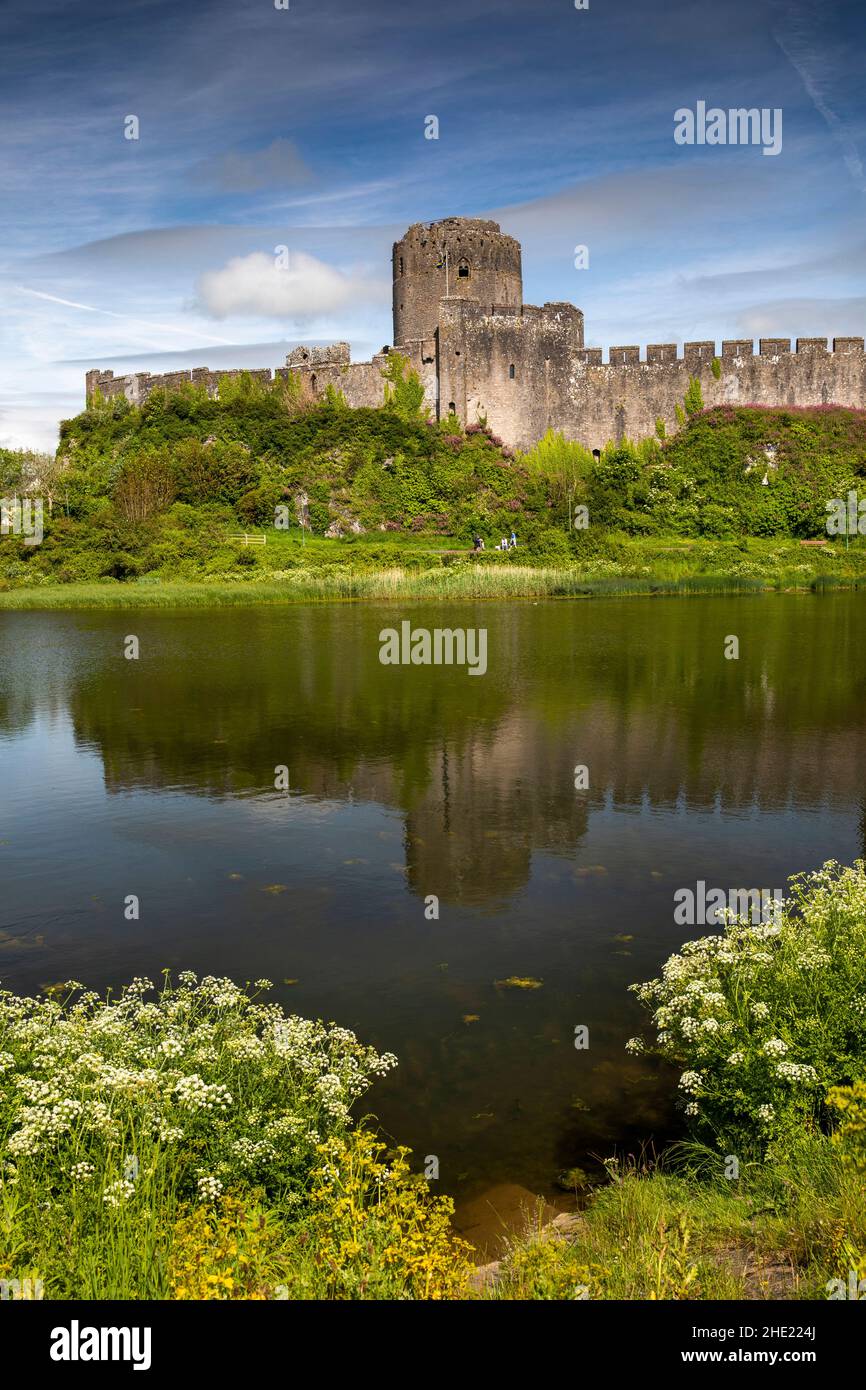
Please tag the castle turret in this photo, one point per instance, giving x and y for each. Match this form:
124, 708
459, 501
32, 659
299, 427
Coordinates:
464, 257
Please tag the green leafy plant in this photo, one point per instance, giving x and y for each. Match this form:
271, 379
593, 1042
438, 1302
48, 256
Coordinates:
764, 1018
404, 393
693, 400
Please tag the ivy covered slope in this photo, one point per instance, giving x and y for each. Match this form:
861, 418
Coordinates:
162, 491
164, 486
739, 471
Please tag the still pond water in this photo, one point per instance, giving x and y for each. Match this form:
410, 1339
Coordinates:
156, 777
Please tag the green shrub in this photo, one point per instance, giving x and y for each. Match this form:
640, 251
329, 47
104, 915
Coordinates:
693, 400
765, 1018
145, 485
213, 472
404, 393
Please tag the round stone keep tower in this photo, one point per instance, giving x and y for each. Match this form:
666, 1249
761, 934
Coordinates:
459, 256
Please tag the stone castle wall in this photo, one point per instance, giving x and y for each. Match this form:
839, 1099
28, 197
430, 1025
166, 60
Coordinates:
481, 352
137, 386
515, 368
625, 397
574, 390
361, 383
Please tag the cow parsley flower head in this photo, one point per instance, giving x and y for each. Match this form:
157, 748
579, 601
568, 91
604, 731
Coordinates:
209, 1188
119, 1192
691, 1081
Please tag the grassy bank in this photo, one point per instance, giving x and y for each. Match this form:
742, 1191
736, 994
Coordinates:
766, 1199
672, 1230
391, 585
341, 571
193, 1142
344, 503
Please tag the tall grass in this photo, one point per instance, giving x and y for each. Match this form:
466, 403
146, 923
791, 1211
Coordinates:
445, 583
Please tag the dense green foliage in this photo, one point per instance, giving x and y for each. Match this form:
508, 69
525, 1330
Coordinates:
749, 471
163, 489
385, 469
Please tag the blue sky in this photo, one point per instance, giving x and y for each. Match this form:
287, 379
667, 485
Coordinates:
304, 127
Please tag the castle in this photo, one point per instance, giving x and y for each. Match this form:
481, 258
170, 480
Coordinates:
480, 352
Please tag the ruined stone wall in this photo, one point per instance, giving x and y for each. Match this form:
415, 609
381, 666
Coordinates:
515, 368
137, 386
361, 383
528, 373
626, 396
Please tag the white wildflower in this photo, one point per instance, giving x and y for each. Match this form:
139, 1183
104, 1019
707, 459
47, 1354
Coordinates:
118, 1192
209, 1188
691, 1081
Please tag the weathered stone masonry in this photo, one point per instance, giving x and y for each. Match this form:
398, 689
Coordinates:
480, 351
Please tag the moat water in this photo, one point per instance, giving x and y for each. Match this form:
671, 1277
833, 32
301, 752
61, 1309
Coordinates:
156, 778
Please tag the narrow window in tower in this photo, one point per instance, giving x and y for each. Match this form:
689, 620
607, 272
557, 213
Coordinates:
401, 265
452, 407
463, 270
511, 372
313, 381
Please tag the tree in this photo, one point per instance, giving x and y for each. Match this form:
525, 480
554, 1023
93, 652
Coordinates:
31, 473
218, 471
295, 392
144, 486
564, 462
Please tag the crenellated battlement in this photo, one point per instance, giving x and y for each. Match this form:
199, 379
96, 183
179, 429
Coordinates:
700, 353
137, 386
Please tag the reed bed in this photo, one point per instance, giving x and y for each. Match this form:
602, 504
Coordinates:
442, 583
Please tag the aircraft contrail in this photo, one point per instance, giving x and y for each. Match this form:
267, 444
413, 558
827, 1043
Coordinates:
801, 47
110, 313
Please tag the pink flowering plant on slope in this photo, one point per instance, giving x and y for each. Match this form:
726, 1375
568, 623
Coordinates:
764, 1019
